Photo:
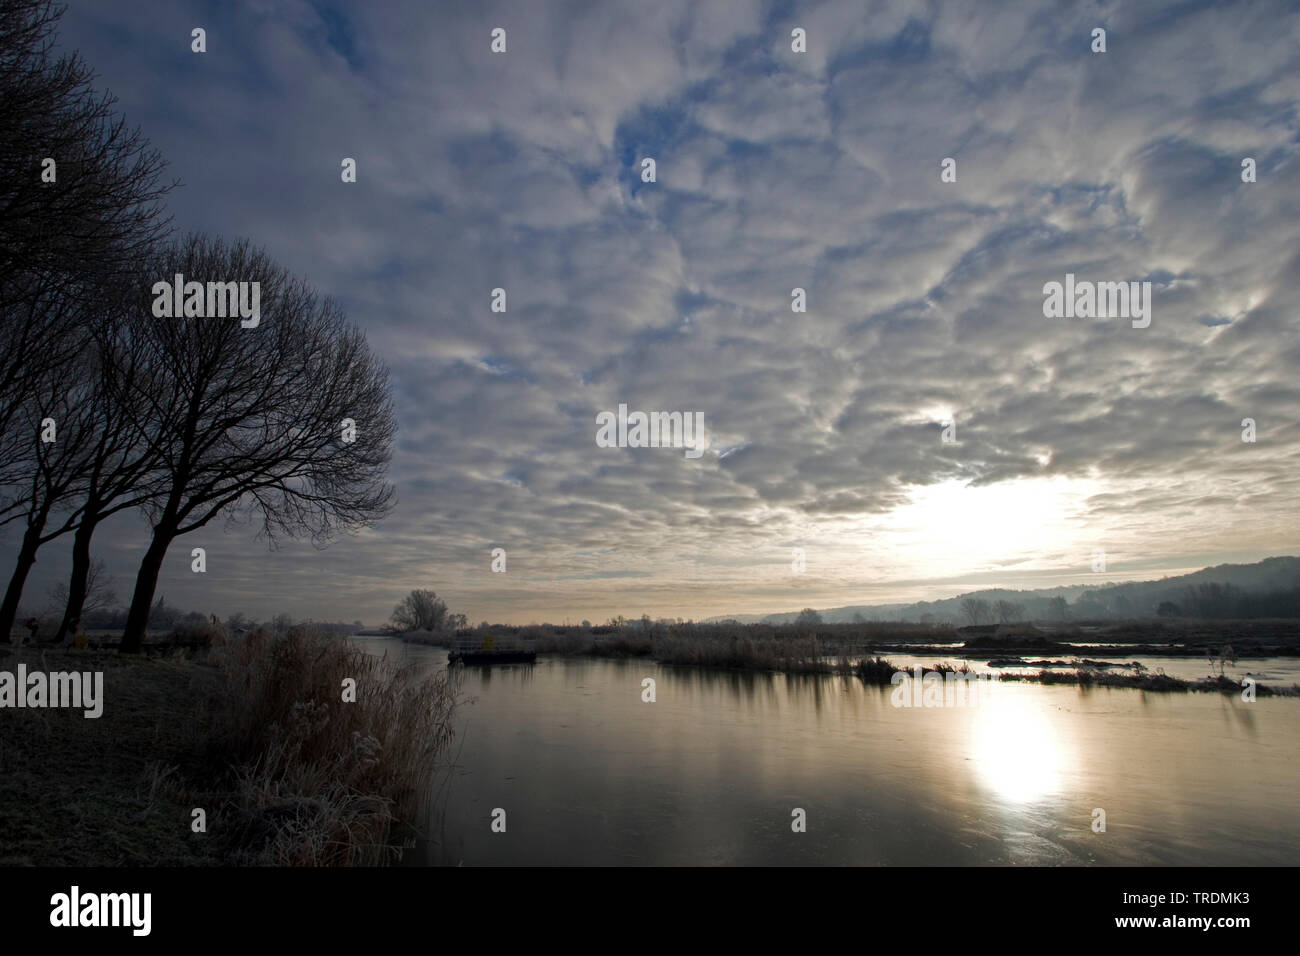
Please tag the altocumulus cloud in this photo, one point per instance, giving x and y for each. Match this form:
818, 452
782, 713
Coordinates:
775, 170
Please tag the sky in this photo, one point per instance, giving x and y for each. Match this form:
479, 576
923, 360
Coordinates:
774, 170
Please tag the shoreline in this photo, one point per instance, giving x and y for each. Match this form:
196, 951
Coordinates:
801, 657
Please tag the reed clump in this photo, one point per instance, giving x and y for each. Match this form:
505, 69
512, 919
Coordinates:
874, 670
330, 749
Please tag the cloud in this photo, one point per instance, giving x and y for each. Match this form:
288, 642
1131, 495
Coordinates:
775, 171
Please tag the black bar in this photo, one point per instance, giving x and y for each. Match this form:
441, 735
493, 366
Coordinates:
216, 907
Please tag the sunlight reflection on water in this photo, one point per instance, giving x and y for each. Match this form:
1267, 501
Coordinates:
711, 772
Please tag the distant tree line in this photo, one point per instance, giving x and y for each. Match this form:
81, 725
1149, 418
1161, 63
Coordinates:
107, 406
1227, 602
1209, 600
164, 616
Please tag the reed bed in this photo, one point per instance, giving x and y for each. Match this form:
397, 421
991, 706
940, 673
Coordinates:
1161, 682
317, 779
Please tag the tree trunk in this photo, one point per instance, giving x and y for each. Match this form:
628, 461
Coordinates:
78, 583
146, 582
26, 558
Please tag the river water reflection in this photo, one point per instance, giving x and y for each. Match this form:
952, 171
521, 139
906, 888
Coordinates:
711, 772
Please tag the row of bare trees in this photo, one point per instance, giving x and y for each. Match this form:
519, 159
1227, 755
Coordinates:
979, 611
106, 407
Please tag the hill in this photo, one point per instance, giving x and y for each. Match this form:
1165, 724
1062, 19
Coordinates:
1267, 588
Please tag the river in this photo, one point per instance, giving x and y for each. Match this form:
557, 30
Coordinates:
717, 768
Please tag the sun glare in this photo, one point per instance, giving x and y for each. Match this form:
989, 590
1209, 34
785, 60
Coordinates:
953, 527
1018, 751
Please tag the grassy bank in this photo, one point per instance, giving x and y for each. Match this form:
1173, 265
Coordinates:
108, 791
256, 733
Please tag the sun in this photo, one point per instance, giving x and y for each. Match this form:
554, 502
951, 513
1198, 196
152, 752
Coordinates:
955, 528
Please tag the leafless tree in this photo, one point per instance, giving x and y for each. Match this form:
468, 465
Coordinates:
808, 617
249, 421
80, 200
99, 591
124, 464
57, 422
976, 610
1227, 655
100, 461
1009, 611
60, 239
421, 610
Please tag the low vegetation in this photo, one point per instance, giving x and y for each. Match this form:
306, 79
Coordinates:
814, 647
1088, 677
319, 777
256, 732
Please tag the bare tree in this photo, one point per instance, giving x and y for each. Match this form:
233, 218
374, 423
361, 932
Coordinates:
1009, 611
124, 468
80, 198
99, 460
250, 422
99, 587
99, 591
976, 610
1227, 655
57, 420
421, 610
808, 618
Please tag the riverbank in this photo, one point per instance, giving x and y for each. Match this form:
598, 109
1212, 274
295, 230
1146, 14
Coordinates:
860, 652
287, 766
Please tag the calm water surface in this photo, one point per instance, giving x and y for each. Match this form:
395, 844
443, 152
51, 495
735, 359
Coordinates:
711, 772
